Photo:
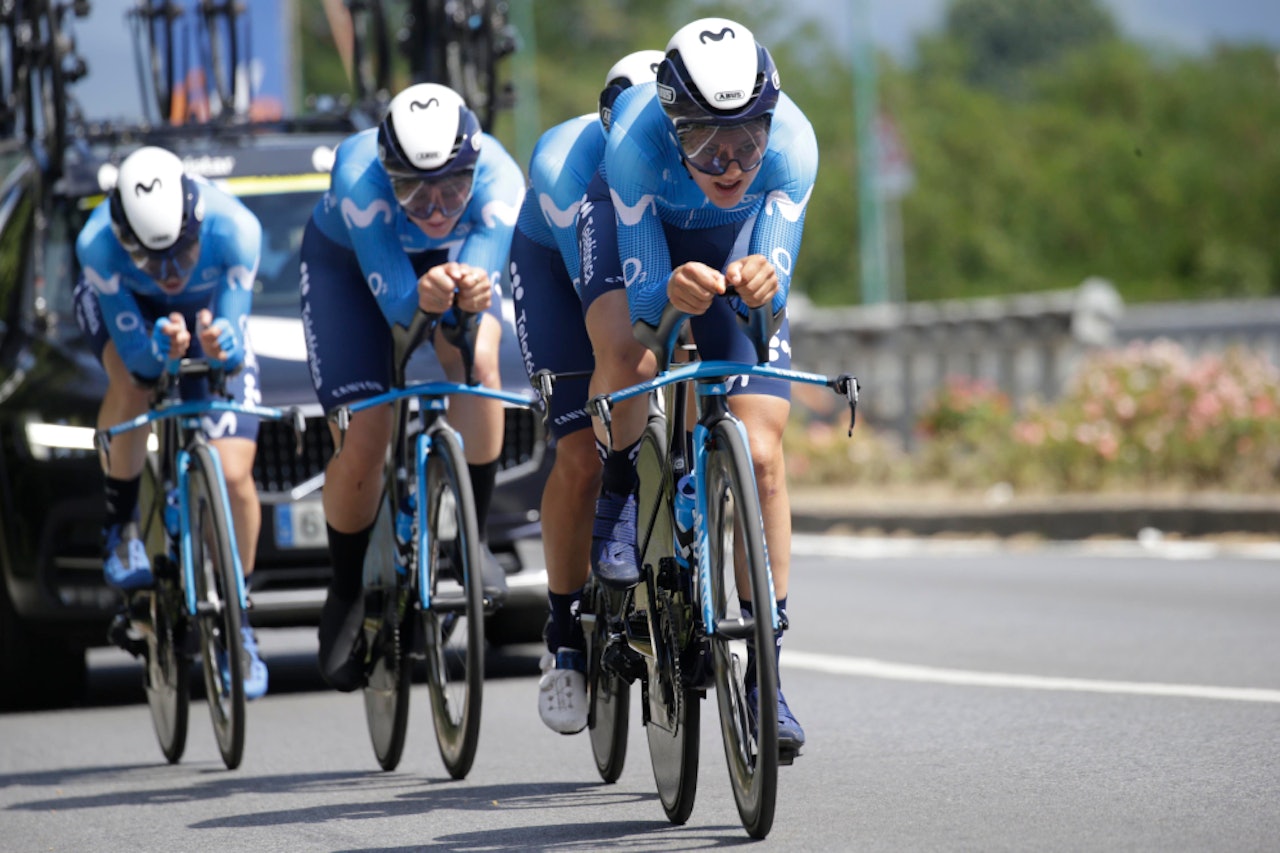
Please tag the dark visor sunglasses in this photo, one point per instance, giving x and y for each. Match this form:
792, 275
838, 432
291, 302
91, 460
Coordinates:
710, 148
421, 197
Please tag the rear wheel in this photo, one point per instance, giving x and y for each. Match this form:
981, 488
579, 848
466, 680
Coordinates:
671, 711
748, 719
608, 695
167, 674
217, 604
386, 689
453, 623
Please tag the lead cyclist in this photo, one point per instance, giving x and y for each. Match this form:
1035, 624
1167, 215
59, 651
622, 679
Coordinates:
708, 175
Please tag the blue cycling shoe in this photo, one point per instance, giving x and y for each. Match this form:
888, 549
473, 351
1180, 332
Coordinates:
252, 667
614, 556
125, 564
790, 733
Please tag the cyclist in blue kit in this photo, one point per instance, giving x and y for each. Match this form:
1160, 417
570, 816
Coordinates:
708, 175
418, 216
169, 261
565, 327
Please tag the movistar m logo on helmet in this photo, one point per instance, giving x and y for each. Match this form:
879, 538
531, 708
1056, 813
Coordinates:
418, 105
707, 35
140, 187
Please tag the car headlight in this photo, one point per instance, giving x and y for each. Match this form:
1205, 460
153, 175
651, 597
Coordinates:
49, 441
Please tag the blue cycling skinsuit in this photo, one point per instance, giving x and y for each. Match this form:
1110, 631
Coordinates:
664, 220
550, 297
115, 301
362, 257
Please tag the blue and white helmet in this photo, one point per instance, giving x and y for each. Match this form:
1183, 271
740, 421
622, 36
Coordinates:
631, 70
715, 72
428, 131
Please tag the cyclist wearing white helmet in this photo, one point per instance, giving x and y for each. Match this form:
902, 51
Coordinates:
565, 327
709, 174
167, 253
419, 213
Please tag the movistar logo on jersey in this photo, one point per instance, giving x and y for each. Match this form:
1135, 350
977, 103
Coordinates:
666, 94
707, 35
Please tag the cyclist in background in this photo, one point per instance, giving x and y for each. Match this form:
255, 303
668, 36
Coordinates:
419, 209
169, 261
567, 328
709, 174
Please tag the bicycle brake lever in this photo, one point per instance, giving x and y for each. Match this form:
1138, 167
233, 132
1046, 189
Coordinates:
846, 385
600, 407
299, 429
341, 418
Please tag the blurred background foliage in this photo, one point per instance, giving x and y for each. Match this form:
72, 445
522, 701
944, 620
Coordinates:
1045, 147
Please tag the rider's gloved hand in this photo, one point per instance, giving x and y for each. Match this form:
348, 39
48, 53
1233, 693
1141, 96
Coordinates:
221, 342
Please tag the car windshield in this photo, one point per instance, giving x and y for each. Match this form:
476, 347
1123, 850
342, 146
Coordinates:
284, 217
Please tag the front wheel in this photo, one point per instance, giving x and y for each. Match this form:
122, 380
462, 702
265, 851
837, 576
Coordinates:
748, 701
453, 622
217, 603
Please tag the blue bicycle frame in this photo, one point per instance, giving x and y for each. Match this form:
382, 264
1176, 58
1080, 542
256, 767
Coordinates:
434, 396
188, 415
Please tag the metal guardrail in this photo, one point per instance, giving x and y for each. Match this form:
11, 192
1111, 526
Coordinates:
1027, 345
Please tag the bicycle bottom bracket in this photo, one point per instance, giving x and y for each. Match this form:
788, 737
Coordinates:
621, 660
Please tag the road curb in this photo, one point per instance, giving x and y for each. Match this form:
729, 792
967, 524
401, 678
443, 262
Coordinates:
1066, 518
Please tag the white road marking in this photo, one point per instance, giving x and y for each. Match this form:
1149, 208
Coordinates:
875, 547
869, 668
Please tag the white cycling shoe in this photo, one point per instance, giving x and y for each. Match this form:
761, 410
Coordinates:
562, 691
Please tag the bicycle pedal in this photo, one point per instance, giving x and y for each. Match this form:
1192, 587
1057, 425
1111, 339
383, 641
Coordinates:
622, 661
787, 756
120, 634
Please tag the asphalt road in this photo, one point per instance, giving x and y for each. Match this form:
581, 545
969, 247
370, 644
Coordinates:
957, 696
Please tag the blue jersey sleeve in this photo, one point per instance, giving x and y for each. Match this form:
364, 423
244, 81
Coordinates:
786, 179
634, 167
360, 194
563, 163
490, 217
108, 270
236, 237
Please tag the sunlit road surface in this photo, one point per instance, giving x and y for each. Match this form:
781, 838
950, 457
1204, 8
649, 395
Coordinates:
956, 696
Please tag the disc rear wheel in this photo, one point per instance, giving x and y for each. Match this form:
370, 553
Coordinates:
390, 674
608, 695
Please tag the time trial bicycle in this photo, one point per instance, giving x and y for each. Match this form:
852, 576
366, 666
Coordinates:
198, 601
423, 585
683, 628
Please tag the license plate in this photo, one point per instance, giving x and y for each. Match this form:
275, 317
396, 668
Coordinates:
300, 525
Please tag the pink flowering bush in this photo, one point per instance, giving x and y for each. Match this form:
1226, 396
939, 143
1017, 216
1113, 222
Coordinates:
1148, 416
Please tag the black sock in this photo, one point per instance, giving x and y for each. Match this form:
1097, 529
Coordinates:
620, 470
121, 500
482, 478
565, 629
346, 552
749, 677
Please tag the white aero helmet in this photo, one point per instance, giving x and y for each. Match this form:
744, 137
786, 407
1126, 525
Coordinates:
156, 213
630, 70
428, 129
716, 72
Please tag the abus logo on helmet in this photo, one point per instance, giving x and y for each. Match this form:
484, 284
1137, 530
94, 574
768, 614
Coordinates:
666, 94
734, 95
427, 155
